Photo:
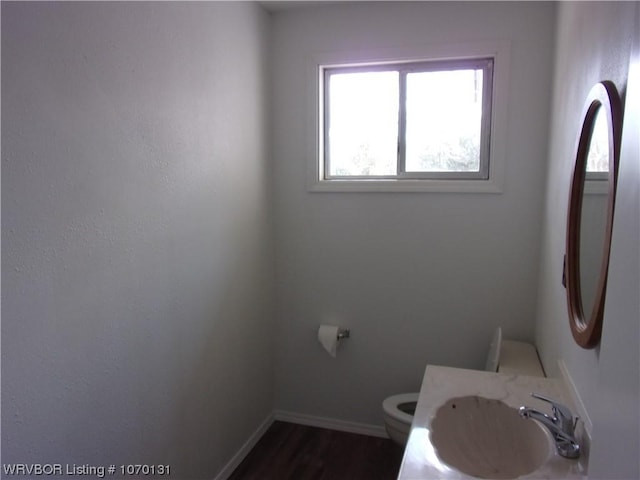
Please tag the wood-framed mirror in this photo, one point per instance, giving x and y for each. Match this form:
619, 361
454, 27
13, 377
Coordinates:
590, 213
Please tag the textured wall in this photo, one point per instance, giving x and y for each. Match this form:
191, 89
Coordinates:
594, 41
136, 247
420, 278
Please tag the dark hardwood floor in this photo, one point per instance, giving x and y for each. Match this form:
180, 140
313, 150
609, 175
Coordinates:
296, 452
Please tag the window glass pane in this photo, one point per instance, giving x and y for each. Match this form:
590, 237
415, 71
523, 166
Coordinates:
444, 114
363, 123
598, 156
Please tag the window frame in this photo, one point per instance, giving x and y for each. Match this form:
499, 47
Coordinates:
486, 64
499, 50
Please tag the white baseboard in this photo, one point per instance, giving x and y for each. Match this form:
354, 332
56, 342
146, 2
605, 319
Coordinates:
245, 449
330, 423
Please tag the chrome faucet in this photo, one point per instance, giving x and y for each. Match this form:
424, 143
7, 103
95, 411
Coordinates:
561, 425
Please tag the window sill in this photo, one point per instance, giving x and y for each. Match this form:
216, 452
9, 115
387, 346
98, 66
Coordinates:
404, 186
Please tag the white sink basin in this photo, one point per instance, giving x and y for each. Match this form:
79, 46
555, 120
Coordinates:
486, 438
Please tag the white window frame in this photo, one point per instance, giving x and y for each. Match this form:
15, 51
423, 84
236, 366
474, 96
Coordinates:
491, 182
404, 69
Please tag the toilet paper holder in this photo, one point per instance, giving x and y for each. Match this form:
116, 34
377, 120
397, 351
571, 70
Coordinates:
343, 333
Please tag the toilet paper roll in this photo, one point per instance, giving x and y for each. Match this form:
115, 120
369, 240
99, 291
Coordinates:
328, 338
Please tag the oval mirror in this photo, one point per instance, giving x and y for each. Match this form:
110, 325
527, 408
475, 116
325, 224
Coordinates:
590, 214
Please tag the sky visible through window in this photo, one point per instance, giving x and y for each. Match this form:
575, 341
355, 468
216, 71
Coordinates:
444, 112
364, 123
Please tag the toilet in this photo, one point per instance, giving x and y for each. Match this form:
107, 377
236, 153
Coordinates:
398, 415
508, 356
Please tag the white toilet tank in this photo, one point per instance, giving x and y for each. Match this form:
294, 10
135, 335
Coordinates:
505, 356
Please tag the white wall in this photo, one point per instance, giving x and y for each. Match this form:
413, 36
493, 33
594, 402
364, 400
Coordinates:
419, 278
137, 251
593, 43
137, 274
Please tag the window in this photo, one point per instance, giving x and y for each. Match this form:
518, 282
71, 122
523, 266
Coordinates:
598, 157
423, 118
407, 120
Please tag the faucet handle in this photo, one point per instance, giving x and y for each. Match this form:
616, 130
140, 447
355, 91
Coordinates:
561, 412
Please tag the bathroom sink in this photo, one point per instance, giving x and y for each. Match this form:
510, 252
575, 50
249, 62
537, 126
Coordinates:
486, 438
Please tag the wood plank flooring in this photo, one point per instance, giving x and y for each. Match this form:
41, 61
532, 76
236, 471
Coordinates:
296, 452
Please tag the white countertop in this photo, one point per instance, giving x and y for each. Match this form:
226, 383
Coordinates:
441, 383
